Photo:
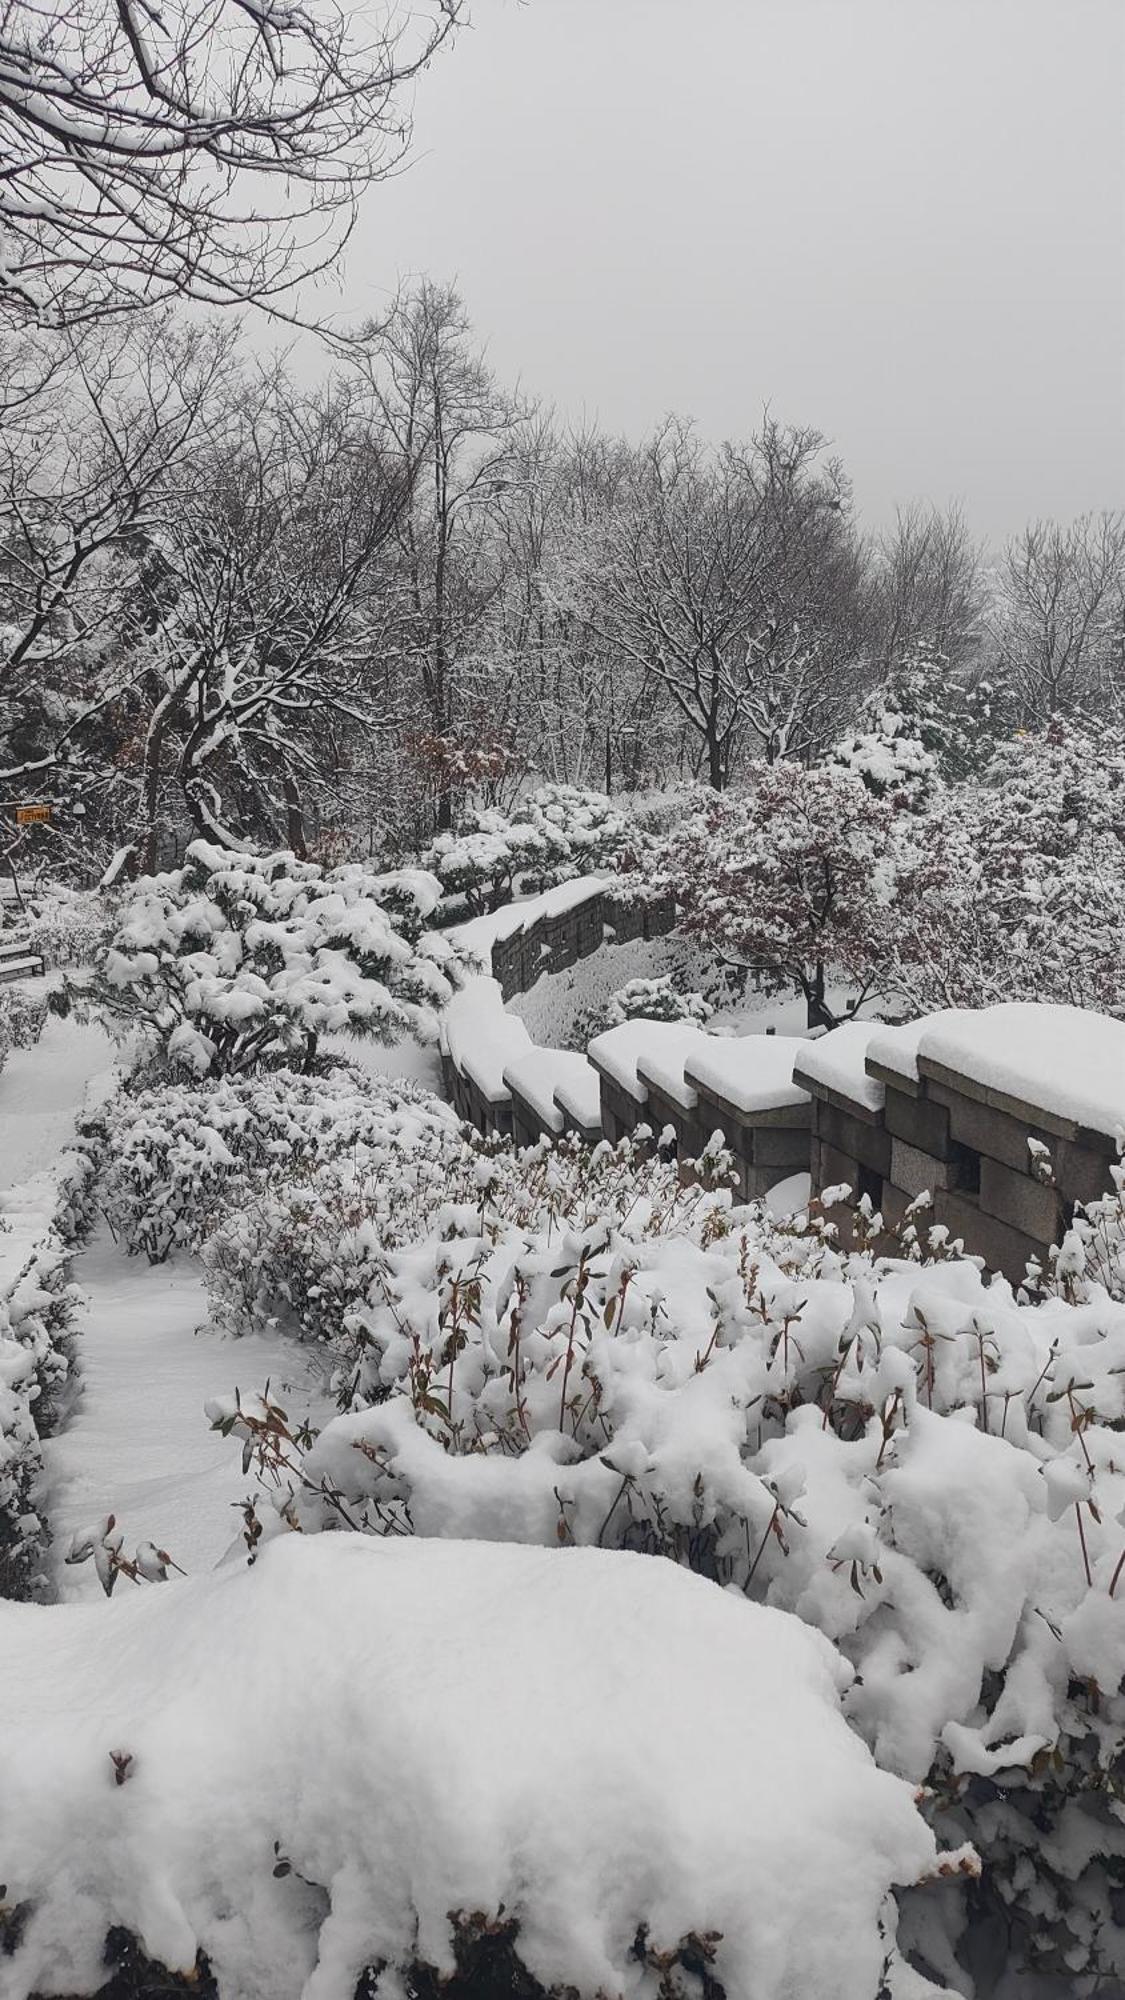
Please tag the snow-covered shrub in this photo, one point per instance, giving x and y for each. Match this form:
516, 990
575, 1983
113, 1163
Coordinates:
235, 961
926, 1469
366, 1769
23, 1015
801, 877
169, 1160
313, 1249
69, 928
655, 1000
552, 835
892, 763
36, 1356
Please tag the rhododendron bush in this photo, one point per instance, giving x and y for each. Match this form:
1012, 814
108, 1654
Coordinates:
167, 1161
236, 960
553, 834
580, 1350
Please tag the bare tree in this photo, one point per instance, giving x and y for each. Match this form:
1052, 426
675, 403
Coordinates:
207, 148
87, 458
274, 582
926, 588
444, 414
728, 579
1060, 616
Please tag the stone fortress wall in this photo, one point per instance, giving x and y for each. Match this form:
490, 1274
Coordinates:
1005, 1117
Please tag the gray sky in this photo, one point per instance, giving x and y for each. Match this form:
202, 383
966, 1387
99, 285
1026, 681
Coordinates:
902, 221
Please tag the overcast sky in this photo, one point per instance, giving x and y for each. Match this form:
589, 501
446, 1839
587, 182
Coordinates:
902, 221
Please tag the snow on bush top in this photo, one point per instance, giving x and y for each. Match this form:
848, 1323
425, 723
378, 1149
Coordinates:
838, 1061
694, 1779
556, 832
234, 960
751, 1072
1063, 1060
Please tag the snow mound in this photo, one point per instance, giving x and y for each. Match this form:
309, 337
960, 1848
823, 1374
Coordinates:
838, 1062
596, 1741
541, 1076
749, 1072
662, 1046
1067, 1061
481, 1038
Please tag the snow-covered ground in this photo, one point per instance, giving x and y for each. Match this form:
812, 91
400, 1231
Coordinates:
138, 1444
321, 1760
42, 1091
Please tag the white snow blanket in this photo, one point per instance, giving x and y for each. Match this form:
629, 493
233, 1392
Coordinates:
1067, 1061
596, 1741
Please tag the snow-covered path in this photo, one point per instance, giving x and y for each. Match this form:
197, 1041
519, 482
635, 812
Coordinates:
138, 1444
42, 1091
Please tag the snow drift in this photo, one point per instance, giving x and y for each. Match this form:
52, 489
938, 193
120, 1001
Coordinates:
310, 1767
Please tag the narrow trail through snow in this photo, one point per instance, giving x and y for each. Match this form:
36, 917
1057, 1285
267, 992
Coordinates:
138, 1444
42, 1091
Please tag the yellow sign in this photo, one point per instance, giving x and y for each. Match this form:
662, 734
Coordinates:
31, 815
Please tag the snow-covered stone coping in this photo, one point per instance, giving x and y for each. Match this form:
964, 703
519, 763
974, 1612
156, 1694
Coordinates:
836, 1067
758, 1816
1066, 1063
748, 1073
478, 934
578, 1095
892, 1052
539, 1075
481, 1038
661, 1046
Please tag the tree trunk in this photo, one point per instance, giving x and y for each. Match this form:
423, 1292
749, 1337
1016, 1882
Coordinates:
294, 819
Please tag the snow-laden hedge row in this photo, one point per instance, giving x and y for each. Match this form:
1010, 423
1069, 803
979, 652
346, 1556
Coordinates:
553, 834
577, 1350
324, 1777
166, 1162
23, 1012
36, 1355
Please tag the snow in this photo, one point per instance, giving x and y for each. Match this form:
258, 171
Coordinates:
139, 1444
481, 1038
749, 1072
578, 1093
837, 1061
1067, 1061
368, 1717
478, 934
540, 1073
661, 1046
42, 1090
790, 1196
895, 1047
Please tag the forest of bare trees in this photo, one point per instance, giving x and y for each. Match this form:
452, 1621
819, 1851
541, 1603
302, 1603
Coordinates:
321, 616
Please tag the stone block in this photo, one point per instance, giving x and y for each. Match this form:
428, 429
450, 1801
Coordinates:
1029, 1117
1002, 1248
780, 1146
659, 918
869, 1144
894, 1205
626, 920
1081, 1173
1025, 1204
919, 1122
917, 1172
830, 1167
990, 1132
